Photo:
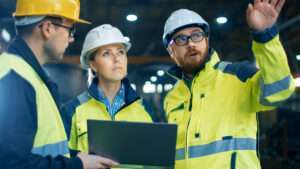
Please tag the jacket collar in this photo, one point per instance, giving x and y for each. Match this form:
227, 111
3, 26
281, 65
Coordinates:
130, 94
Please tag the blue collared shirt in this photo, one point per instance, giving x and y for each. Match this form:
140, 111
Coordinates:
117, 102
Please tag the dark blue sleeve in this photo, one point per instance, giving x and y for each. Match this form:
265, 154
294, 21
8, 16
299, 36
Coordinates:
266, 35
67, 113
242, 70
18, 125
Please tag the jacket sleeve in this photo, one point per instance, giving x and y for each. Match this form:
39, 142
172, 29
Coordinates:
69, 119
18, 124
73, 138
68, 111
273, 83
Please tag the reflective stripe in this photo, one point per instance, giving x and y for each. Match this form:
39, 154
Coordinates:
222, 65
278, 86
222, 146
273, 88
60, 148
180, 154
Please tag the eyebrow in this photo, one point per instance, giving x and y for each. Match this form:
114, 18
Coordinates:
195, 30
104, 50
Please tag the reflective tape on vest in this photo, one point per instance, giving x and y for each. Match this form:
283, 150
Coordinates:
232, 144
60, 148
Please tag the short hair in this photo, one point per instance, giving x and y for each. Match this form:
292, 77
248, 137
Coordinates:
25, 30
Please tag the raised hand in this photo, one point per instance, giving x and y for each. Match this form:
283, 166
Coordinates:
263, 14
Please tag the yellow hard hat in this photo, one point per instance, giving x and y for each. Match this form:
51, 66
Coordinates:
68, 9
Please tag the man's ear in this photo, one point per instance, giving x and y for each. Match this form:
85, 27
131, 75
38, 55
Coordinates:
170, 51
46, 29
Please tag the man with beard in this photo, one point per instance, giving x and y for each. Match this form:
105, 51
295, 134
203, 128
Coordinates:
32, 132
214, 103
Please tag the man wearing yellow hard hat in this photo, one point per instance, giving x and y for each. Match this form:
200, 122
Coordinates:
31, 129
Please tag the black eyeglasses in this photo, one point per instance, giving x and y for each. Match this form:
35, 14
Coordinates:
71, 30
181, 40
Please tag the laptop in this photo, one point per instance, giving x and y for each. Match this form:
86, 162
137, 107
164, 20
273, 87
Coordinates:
134, 144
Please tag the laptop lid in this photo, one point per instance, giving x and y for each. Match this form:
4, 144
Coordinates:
133, 143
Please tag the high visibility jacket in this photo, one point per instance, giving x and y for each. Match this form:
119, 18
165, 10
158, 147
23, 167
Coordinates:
216, 114
88, 106
50, 137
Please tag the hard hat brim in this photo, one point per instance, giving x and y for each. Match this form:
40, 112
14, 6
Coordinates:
72, 19
84, 58
81, 21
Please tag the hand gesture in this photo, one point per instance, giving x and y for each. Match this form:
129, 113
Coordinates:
263, 13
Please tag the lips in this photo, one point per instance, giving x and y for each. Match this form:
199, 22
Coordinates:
117, 68
192, 53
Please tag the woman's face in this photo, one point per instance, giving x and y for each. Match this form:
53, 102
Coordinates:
110, 62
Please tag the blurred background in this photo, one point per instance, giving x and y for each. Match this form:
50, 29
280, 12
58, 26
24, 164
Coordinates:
143, 20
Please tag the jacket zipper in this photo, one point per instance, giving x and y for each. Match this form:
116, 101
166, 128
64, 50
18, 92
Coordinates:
190, 117
124, 106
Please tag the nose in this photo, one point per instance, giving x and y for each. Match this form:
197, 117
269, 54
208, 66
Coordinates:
190, 43
116, 57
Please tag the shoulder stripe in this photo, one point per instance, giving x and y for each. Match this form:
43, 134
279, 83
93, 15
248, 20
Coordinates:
242, 70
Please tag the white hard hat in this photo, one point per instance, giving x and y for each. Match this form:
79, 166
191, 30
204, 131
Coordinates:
100, 36
182, 18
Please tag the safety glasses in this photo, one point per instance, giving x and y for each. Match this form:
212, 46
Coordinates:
181, 40
71, 30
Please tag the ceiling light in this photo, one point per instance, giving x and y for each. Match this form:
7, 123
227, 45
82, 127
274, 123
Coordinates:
297, 81
298, 57
133, 86
160, 72
153, 78
149, 88
221, 20
131, 17
5, 35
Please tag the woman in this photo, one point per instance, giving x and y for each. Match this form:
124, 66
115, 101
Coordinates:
109, 96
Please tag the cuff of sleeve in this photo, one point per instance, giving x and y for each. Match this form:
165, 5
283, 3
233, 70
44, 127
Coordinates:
76, 163
73, 153
265, 35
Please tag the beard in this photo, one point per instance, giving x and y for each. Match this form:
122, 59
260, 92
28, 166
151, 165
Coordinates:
193, 60
52, 55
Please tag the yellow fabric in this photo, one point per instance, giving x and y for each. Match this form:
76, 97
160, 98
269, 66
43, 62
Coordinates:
69, 9
50, 129
95, 110
219, 108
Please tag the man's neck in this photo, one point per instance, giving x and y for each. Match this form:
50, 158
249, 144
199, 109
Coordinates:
36, 48
110, 89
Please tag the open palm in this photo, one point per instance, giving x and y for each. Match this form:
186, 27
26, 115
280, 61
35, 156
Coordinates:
263, 13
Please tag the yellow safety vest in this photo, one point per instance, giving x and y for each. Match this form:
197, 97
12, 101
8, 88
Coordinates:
50, 138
